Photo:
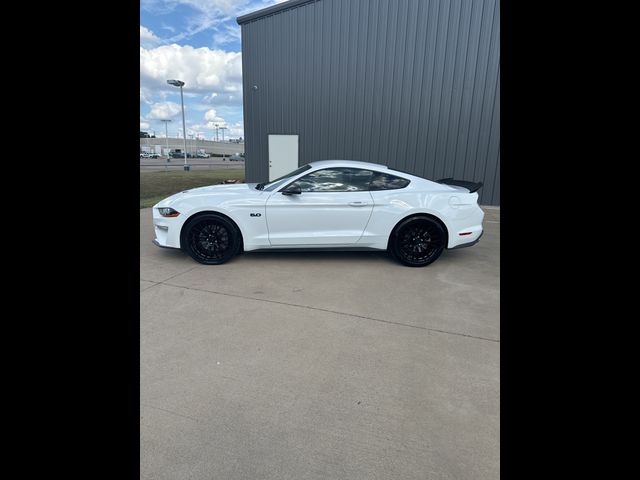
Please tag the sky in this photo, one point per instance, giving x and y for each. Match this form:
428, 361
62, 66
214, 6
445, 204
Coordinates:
198, 42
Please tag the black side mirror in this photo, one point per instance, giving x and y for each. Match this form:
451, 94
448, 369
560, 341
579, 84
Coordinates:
293, 189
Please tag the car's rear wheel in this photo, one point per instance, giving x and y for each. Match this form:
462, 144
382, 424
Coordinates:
210, 239
417, 241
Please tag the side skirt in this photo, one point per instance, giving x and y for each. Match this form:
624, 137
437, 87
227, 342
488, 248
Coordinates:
317, 249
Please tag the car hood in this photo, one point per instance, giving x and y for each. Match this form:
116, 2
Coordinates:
221, 192
230, 188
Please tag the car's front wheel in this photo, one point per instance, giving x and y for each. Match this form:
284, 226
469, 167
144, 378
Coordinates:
417, 241
210, 239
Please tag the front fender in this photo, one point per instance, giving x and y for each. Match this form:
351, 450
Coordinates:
247, 213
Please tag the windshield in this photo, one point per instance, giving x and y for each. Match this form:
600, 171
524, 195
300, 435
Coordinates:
272, 185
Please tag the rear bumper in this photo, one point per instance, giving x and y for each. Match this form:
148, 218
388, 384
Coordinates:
470, 244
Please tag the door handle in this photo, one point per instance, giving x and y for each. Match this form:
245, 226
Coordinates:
357, 204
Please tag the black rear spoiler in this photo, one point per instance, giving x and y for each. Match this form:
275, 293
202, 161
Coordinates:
471, 186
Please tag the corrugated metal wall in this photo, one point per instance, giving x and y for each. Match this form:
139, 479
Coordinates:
414, 84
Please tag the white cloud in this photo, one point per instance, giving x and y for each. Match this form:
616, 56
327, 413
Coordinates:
208, 131
216, 15
202, 69
201, 129
228, 7
208, 128
227, 34
148, 38
208, 14
144, 125
220, 100
145, 96
212, 116
236, 130
164, 110
253, 5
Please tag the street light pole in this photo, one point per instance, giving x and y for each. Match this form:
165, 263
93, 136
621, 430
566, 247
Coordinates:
223, 129
216, 132
179, 83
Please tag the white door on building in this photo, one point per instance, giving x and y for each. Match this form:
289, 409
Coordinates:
283, 155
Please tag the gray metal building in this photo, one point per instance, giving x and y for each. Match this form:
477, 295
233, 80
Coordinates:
413, 84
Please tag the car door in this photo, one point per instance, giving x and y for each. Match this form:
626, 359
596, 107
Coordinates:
333, 208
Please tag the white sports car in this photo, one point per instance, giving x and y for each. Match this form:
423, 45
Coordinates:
332, 204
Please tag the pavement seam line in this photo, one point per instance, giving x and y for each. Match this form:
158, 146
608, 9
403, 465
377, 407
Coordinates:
150, 286
178, 274
166, 279
336, 312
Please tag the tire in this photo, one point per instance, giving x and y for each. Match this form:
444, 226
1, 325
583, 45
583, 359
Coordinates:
417, 241
210, 239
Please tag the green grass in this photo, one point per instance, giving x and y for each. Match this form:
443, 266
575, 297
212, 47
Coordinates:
154, 186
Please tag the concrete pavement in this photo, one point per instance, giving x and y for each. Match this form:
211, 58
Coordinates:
320, 365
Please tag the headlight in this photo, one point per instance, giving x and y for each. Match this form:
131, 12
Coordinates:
168, 212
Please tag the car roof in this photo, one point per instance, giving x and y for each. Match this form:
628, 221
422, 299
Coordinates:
347, 164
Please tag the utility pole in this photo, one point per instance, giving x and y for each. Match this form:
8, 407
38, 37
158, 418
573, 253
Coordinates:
166, 137
223, 129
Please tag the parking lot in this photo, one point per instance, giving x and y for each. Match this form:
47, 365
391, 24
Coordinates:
320, 365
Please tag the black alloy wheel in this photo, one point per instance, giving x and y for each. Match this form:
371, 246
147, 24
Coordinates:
418, 241
210, 239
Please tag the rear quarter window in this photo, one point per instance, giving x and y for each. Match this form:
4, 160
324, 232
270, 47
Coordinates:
386, 181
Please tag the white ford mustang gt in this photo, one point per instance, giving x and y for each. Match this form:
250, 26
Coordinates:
332, 204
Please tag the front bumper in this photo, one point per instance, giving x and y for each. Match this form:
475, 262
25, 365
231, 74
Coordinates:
158, 244
166, 230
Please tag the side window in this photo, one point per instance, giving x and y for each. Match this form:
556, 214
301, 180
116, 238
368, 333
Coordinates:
336, 180
384, 181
